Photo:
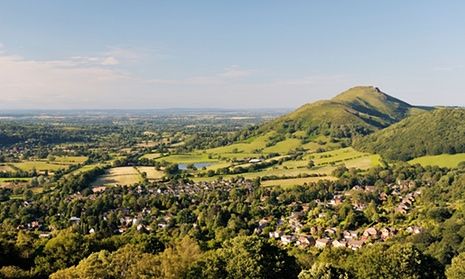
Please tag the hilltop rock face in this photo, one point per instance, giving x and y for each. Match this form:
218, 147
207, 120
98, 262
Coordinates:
357, 111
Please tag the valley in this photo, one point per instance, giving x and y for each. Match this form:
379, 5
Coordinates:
360, 172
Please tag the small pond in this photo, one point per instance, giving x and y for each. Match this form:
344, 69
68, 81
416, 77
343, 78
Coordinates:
196, 165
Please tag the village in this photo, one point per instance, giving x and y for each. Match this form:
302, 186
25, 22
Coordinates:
291, 230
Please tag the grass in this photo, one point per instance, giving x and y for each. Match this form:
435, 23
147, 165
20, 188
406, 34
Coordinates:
86, 168
38, 165
443, 160
187, 158
11, 179
6, 168
149, 143
151, 156
283, 147
336, 156
60, 162
249, 146
152, 173
118, 176
70, 160
295, 181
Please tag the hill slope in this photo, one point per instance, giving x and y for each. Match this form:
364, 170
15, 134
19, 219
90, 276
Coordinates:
429, 133
357, 111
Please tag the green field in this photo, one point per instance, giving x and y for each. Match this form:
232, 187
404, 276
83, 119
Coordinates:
151, 156
11, 179
283, 147
60, 162
86, 168
295, 181
250, 146
38, 165
187, 158
152, 173
70, 160
118, 176
443, 160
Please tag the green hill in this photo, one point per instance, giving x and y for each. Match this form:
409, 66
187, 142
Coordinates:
439, 131
357, 111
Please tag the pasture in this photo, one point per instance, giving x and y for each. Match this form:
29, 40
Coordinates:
118, 176
443, 160
295, 181
152, 173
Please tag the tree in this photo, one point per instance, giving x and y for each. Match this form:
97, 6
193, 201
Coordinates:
311, 164
176, 260
457, 269
246, 257
324, 271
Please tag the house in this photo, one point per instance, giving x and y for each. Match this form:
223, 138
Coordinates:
305, 241
371, 233
287, 239
263, 223
322, 243
74, 219
350, 235
414, 230
387, 232
339, 243
355, 244
275, 234
330, 231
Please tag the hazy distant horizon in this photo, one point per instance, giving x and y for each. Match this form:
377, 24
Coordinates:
231, 55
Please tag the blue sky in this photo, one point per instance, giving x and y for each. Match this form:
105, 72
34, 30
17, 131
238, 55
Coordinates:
235, 54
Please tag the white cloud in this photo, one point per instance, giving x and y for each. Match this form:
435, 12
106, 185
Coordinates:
96, 81
34, 83
109, 61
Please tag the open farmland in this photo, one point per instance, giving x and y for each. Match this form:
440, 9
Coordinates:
118, 176
39, 166
295, 181
152, 173
6, 168
443, 160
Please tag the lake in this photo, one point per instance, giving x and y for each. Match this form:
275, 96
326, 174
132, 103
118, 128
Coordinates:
196, 165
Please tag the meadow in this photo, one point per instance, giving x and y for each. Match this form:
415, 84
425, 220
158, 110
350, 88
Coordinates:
118, 176
443, 160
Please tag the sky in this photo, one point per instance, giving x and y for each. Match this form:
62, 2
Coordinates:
111, 54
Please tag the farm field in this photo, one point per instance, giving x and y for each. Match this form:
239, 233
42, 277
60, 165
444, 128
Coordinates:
86, 168
8, 179
152, 173
118, 176
70, 160
283, 147
151, 156
295, 181
443, 160
187, 158
39, 166
60, 162
6, 168
325, 162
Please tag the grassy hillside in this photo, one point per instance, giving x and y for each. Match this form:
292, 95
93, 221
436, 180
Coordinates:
359, 110
443, 160
440, 131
